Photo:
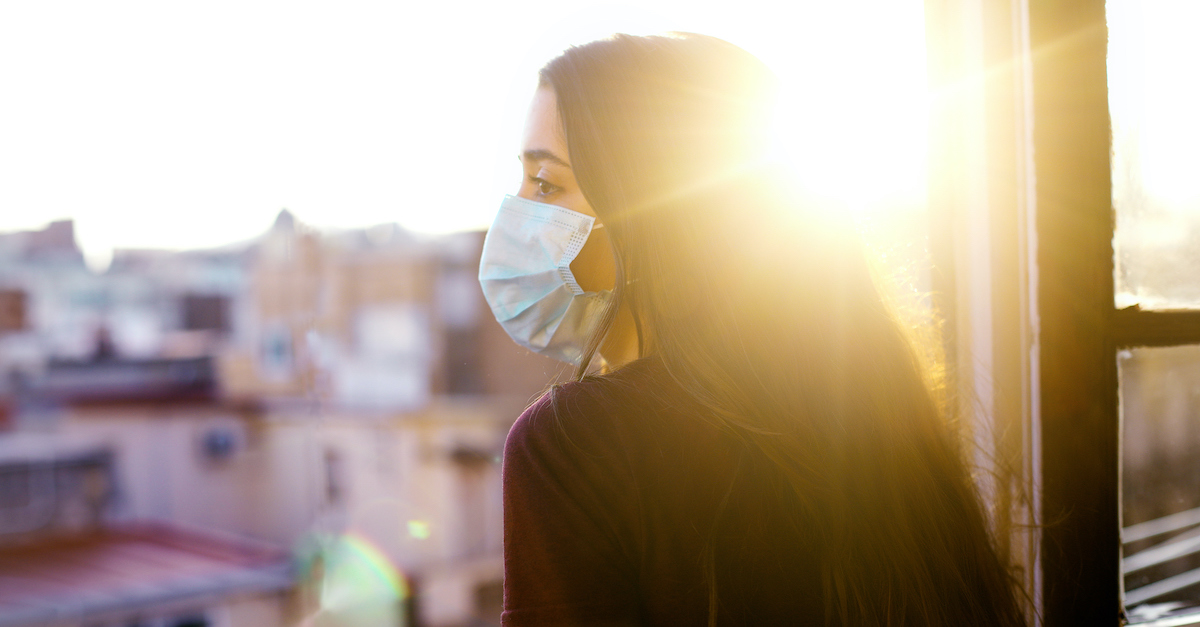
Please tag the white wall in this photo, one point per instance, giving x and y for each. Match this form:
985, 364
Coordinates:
293, 477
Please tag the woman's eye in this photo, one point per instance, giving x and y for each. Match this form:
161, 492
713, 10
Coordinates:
544, 188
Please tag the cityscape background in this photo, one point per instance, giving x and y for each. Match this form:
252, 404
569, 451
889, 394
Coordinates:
187, 127
305, 428
218, 412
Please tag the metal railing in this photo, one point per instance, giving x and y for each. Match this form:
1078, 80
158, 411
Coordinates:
1178, 546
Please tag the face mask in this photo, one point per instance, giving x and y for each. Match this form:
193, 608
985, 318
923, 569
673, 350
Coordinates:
526, 277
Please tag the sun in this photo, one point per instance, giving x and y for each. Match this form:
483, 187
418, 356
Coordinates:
854, 105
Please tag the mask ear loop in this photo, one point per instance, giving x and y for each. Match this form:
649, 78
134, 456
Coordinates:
637, 320
633, 308
591, 349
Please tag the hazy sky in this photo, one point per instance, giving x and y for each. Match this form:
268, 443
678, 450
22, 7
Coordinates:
179, 125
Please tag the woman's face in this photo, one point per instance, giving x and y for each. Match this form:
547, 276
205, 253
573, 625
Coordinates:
548, 178
547, 170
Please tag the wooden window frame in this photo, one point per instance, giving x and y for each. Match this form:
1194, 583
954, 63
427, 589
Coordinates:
1021, 236
1080, 424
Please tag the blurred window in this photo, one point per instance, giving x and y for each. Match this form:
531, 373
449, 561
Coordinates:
393, 332
190, 621
205, 312
276, 351
459, 301
335, 488
463, 356
1153, 58
1160, 401
13, 313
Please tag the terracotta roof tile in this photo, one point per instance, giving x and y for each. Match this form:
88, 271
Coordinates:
130, 568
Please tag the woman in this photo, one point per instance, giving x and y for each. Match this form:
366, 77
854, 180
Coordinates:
763, 446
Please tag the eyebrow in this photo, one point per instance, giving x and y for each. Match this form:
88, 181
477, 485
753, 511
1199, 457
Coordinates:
543, 155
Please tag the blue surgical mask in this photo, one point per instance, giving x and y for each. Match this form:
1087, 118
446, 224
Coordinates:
526, 277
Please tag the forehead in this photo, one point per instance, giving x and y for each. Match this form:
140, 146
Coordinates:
542, 129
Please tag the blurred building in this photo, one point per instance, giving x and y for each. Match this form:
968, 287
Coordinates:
345, 395
374, 319
63, 563
149, 304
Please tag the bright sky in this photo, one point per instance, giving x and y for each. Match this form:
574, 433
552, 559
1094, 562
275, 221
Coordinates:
183, 125
1153, 97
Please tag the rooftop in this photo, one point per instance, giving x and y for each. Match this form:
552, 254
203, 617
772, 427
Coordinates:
131, 569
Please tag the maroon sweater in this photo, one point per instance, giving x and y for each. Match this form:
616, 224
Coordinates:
609, 508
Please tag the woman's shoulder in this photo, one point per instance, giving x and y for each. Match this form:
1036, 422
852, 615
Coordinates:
571, 506
593, 413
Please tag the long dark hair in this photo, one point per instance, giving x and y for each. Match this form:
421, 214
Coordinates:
763, 308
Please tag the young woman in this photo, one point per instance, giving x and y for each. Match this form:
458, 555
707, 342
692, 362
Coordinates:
763, 446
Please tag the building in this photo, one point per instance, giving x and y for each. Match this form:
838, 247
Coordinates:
64, 563
343, 395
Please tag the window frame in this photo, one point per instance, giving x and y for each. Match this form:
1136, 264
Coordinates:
1021, 235
1078, 359
983, 244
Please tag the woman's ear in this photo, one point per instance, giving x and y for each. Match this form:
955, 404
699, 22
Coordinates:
594, 267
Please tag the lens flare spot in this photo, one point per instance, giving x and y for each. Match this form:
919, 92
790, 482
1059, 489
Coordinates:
354, 583
418, 529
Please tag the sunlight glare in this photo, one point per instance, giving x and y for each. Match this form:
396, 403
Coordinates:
853, 109
127, 118
1153, 98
